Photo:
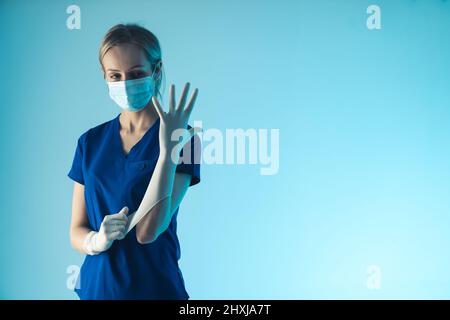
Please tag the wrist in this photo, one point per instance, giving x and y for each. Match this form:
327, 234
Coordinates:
166, 157
89, 243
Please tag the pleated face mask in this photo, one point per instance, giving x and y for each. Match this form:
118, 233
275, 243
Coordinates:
132, 95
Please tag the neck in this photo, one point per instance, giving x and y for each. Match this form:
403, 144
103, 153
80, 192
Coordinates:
138, 121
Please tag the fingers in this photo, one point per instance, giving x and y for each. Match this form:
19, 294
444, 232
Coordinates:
192, 102
117, 218
172, 98
121, 215
124, 210
183, 97
114, 227
116, 222
120, 237
116, 235
115, 231
180, 110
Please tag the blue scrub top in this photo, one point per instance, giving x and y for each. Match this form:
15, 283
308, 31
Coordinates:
112, 180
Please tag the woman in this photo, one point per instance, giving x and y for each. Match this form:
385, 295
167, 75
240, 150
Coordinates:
112, 167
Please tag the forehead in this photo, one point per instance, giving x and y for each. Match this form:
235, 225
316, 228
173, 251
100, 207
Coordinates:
124, 56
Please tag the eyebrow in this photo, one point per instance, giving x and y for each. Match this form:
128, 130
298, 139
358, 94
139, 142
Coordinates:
136, 66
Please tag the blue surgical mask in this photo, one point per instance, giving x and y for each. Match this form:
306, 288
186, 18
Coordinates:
132, 95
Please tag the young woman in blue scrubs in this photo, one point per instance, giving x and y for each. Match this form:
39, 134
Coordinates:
112, 167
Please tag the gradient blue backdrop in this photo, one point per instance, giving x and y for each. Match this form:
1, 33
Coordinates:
364, 119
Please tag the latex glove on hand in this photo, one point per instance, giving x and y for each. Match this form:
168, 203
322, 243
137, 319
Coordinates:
113, 227
174, 123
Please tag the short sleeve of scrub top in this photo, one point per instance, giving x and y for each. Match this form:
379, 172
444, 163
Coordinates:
76, 171
112, 180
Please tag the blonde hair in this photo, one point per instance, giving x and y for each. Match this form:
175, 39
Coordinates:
134, 34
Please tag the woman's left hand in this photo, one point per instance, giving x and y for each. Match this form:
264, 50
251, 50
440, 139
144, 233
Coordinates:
176, 119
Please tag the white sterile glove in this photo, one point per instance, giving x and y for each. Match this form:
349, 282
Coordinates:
112, 228
172, 123
148, 202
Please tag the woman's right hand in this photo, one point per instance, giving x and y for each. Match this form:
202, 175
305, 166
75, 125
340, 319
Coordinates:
113, 227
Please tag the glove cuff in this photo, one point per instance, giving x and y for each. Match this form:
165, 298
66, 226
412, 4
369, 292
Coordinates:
89, 243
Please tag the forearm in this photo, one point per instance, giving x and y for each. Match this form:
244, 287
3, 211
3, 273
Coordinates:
155, 209
161, 183
154, 222
77, 237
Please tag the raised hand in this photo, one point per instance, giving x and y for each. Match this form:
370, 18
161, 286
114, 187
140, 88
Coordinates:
176, 119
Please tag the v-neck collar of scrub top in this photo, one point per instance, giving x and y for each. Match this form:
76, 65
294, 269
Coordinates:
136, 146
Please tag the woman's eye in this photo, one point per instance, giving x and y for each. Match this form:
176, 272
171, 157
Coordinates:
114, 76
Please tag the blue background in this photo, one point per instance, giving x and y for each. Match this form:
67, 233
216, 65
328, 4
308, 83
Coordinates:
364, 117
